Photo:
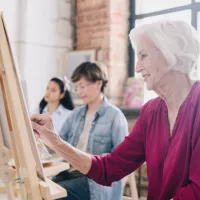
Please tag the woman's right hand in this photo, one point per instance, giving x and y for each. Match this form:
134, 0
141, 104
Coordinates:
43, 128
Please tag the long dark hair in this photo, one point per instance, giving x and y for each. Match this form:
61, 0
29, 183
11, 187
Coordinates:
66, 101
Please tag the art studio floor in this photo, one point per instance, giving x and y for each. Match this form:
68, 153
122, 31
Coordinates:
4, 197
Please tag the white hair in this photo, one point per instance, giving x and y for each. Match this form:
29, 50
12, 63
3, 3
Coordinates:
177, 40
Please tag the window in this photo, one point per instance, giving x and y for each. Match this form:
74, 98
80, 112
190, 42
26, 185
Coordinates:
182, 15
145, 11
146, 6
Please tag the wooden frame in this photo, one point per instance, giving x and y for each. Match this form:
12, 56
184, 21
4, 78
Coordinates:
75, 58
16, 136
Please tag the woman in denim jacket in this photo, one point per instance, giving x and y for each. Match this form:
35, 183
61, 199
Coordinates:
97, 128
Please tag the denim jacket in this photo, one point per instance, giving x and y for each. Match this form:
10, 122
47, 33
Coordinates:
109, 129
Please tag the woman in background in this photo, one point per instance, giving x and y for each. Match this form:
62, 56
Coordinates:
97, 127
57, 102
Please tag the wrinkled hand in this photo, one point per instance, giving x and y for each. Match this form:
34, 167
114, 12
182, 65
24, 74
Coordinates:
43, 128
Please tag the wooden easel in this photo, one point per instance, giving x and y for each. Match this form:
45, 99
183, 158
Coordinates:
17, 141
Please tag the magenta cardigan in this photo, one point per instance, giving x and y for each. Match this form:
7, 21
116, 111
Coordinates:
173, 162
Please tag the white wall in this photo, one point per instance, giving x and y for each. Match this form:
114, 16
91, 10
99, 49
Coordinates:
41, 35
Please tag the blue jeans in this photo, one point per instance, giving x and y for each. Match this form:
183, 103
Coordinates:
76, 185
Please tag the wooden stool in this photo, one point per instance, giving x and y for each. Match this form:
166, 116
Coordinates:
130, 179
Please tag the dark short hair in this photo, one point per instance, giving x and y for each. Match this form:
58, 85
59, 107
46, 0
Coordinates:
92, 72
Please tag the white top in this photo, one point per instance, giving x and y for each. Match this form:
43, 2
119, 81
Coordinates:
59, 116
83, 140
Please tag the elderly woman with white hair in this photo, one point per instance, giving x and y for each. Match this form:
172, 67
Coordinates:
167, 132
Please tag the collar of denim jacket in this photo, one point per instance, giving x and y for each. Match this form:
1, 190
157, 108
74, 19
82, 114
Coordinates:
101, 110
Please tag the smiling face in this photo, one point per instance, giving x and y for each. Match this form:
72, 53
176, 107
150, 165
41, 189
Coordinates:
87, 91
151, 63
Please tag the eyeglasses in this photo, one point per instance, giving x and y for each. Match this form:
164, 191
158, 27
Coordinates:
81, 87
